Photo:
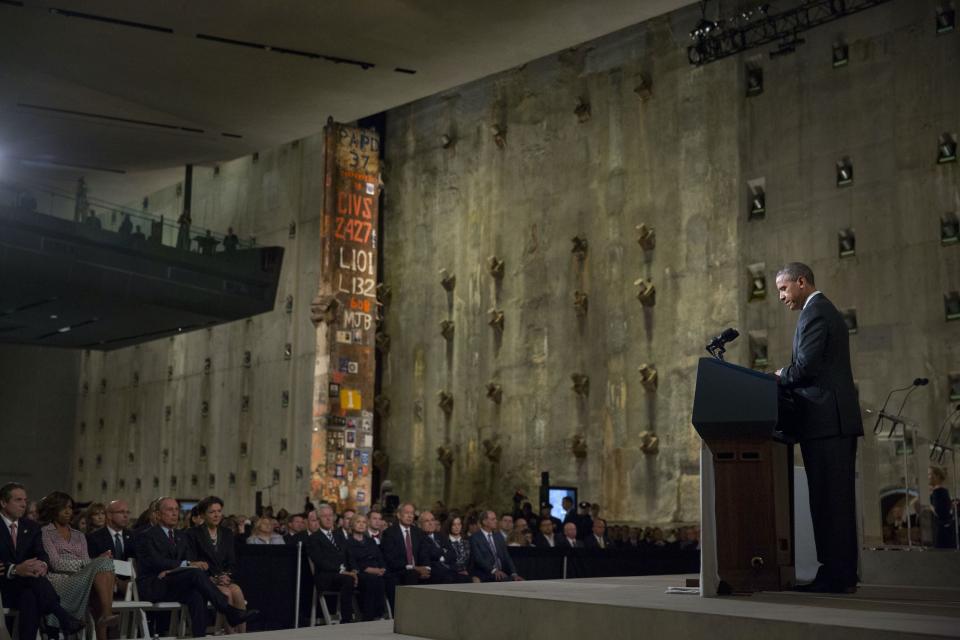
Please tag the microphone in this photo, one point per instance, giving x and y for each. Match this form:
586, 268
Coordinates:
917, 382
716, 344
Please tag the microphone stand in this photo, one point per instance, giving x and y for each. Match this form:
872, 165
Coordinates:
880, 414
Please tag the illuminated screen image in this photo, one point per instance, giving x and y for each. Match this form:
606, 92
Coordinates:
556, 496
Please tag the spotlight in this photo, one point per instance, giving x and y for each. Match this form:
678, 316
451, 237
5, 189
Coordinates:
949, 229
758, 205
947, 149
754, 81
844, 172
847, 242
946, 20
841, 55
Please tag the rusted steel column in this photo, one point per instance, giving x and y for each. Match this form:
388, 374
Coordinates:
344, 314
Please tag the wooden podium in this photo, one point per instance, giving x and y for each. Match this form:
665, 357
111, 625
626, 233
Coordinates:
735, 412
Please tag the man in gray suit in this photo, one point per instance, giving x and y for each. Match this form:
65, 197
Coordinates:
488, 551
820, 379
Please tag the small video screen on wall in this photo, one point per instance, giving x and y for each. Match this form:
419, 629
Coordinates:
557, 494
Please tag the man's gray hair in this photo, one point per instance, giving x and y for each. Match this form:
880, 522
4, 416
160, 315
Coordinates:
794, 270
325, 507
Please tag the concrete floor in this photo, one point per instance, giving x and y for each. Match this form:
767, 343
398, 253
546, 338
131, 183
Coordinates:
612, 608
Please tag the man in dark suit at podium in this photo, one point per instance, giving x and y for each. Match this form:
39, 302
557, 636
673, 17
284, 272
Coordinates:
821, 381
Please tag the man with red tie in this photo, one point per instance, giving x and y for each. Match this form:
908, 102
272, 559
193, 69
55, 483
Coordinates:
23, 567
168, 572
404, 551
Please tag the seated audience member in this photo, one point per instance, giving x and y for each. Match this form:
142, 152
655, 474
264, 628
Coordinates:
545, 538
375, 524
521, 524
491, 559
33, 511
79, 521
472, 524
149, 518
570, 536
113, 539
282, 518
167, 572
71, 572
438, 554
506, 525
633, 537
345, 529
367, 561
296, 523
331, 564
459, 548
403, 549
196, 517
214, 543
598, 537
24, 564
657, 539
263, 532
517, 538
96, 515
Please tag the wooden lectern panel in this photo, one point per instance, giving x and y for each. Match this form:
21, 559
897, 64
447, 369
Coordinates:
753, 493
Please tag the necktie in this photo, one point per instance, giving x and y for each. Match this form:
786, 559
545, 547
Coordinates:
117, 546
173, 540
493, 549
602, 545
409, 545
13, 533
332, 541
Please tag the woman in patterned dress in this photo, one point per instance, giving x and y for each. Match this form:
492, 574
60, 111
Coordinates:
454, 539
72, 572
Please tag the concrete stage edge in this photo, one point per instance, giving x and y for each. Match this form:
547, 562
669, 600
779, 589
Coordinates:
639, 607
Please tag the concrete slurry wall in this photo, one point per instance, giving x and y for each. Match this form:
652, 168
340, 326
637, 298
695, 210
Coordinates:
257, 198
682, 162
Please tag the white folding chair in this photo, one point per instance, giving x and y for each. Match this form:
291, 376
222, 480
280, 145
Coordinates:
320, 596
178, 612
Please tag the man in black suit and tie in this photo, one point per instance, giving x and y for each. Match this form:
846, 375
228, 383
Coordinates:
489, 554
820, 380
402, 545
598, 536
114, 537
331, 564
570, 536
23, 567
167, 572
438, 554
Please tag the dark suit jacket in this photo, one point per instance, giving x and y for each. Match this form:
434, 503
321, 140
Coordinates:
29, 545
437, 551
482, 555
540, 541
327, 557
820, 376
590, 542
566, 544
221, 558
155, 554
394, 550
102, 540
365, 554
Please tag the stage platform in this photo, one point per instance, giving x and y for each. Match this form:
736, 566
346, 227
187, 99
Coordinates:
639, 607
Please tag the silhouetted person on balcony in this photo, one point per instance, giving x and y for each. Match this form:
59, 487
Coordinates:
207, 243
183, 236
126, 226
231, 241
156, 232
92, 220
